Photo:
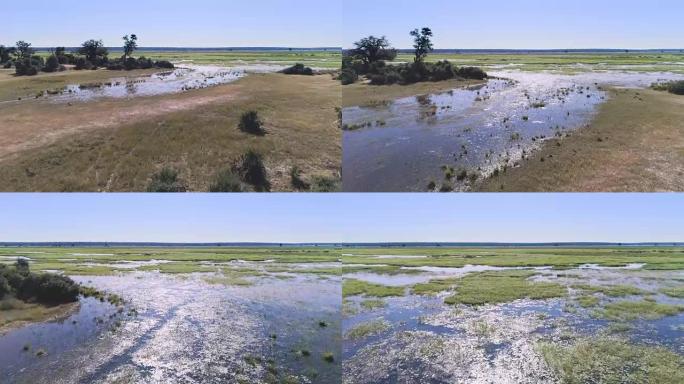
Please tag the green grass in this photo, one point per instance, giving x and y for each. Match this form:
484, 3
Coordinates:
566, 63
612, 291
353, 287
502, 287
364, 330
631, 310
677, 292
610, 361
587, 301
433, 286
371, 304
558, 257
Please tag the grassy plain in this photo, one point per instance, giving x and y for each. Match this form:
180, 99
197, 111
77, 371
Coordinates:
566, 62
117, 145
670, 258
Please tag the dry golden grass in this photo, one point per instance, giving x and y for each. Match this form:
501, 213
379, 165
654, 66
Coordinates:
116, 145
635, 144
361, 93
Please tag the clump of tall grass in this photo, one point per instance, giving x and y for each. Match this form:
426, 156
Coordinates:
226, 181
166, 181
250, 168
251, 123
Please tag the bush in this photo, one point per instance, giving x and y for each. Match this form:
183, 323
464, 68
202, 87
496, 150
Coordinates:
49, 289
7, 65
471, 73
226, 181
25, 68
296, 180
677, 87
164, 64
348, 76
298, 69
167, 181
52, 64
4, 287
83, 63
250, 167
130, 64
325, 184
45, 288
144, 63
250, 123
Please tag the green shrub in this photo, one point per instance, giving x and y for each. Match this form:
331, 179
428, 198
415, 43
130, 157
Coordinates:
296, 180
677, 88
298, 69
82, 63
250, 167
226, 181
52, 64
166, 180
250, 123
44, 288
348, 76
471, 73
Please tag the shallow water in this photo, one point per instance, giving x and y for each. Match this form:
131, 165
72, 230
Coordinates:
429, 341
188, 331
403, 145
181, 79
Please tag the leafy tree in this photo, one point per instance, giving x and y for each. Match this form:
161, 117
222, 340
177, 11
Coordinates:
52, 64
372, 49
24, 50
94, 51
130, 45
6, 53
422, 43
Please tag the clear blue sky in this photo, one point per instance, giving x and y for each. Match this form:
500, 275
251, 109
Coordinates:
521, 24
342, 217
175, 23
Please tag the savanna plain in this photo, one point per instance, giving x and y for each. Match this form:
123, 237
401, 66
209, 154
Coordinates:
98, 119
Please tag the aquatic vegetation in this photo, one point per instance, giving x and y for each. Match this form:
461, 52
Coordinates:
367, 329
371, 304
228, 279
353, 287
612, 290
632, 310
493, 287
674, 292
612, 361
329, 357
587, 301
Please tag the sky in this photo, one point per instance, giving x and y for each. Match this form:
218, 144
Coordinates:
287, 218
173, 23
520, 24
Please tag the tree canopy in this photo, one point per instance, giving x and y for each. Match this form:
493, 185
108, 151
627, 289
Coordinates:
372, 49
130, 45
422, 40
94, 51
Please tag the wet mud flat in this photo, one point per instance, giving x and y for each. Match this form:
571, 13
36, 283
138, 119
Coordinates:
187, 328
452, 140
466, 327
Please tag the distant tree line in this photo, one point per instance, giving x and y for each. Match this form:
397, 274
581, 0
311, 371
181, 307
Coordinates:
370, 55
91, 55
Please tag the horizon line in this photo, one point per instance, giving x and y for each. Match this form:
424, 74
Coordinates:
10, 244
